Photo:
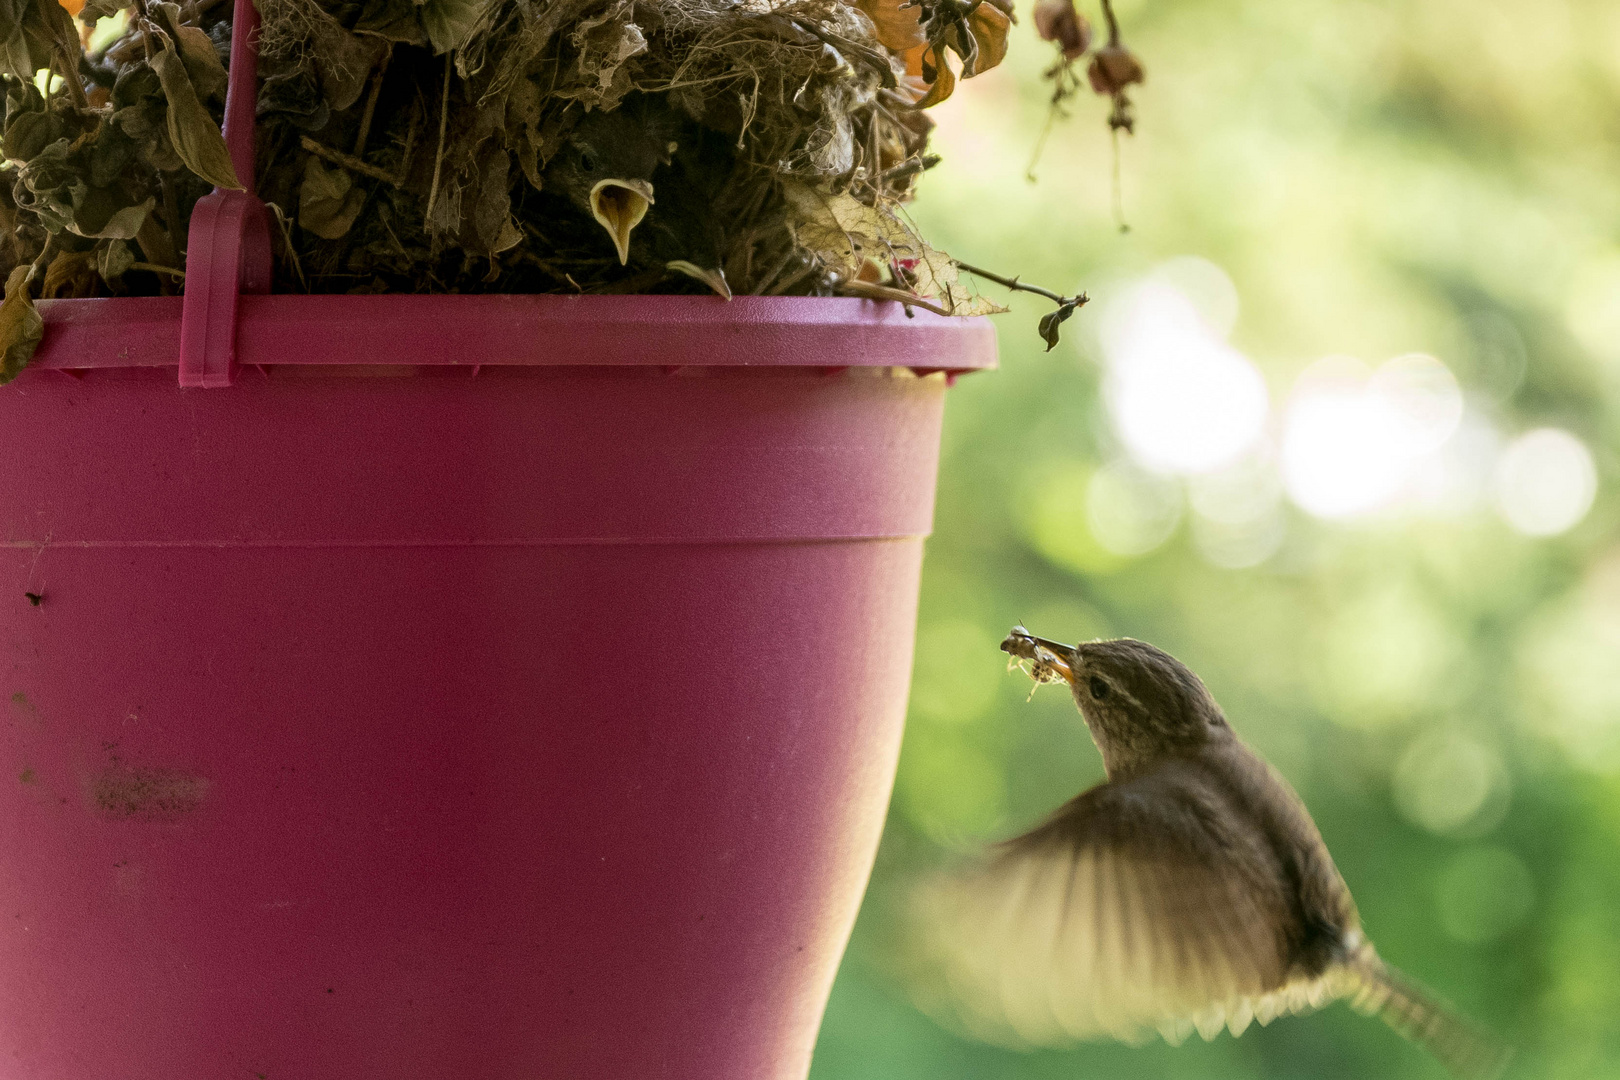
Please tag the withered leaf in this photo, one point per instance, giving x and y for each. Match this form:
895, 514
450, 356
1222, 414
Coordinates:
523, 127
942, 82
197, 139
28, 133
842, 229
342, 60
990, 27
202, 62
897, 23
714, 279
20, 325
605, 42
934, 273
30, 32
392, 20
328, 200
492, 209
101, 213
113, 259
449, 22
1052, 321
71, 274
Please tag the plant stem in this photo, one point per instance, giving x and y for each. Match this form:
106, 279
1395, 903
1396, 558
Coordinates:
869, 291
371, 102
1113, 23
438, 162
348, 161
1014, 284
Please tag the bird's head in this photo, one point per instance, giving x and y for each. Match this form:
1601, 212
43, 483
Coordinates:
1140, 702
605, 168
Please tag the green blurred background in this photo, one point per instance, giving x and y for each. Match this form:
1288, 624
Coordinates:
1404, 588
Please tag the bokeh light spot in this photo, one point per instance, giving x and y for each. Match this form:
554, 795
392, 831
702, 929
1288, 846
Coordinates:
1182, 399
1353, 439
1131, 511
1545, 482
1448, 781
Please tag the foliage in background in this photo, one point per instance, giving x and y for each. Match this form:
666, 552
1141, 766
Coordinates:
1427, 645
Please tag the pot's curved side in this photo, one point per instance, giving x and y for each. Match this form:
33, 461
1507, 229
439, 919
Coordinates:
396, 728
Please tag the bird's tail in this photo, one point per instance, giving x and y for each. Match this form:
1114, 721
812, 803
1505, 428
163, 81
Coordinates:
1465, 1049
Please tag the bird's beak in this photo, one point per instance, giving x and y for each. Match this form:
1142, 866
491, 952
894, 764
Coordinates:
619, 206
1022, 643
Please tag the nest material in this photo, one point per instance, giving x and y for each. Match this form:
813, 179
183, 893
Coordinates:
413, 145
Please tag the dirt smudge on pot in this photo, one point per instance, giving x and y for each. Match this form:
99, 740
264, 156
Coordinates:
25, 708
144, 793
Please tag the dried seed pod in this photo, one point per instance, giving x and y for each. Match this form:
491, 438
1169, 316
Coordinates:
1113, 68
1057, 20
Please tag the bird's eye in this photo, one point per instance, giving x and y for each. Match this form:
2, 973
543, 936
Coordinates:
1099, 689
587, 163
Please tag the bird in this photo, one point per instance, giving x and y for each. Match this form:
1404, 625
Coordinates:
655, 180
605, 167
1191, 890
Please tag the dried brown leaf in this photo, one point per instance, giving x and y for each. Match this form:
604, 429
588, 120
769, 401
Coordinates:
943, 83
605, 43
202, 62
990, 27
197, 139
71, 274
934, 273
20, 325
113, 259
714, 279
897, 23
450, 22
842, 230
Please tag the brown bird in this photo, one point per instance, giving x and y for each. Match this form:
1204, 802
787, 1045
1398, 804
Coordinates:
611, 164
1190, 891
605, 168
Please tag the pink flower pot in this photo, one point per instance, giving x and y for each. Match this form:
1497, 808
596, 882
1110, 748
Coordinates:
471, 688
482, 688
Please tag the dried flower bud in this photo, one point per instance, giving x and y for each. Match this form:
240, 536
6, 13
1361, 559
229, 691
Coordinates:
1112, 69
1057, 20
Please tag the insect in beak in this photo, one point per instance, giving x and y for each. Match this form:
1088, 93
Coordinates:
1047, 655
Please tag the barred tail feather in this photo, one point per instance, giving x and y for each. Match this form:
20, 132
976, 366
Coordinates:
1466, 1050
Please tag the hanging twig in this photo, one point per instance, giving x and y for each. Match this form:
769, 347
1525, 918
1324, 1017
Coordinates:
1052, 320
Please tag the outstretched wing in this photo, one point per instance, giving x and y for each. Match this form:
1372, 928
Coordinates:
1132, 909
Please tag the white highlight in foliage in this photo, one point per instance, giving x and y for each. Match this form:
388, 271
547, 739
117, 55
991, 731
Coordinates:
1545, 482
1182, 399
1354, 439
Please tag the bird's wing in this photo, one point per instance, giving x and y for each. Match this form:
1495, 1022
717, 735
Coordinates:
1132, 909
